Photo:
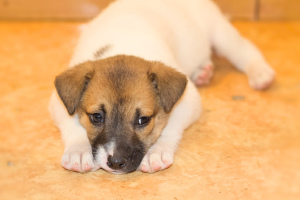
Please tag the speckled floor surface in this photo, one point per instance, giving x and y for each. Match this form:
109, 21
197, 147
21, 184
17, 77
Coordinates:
246, 145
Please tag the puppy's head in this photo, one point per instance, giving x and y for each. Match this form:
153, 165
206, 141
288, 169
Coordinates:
123, 102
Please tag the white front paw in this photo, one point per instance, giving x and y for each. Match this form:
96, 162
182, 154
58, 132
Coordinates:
79, 158
156, 159
260, 75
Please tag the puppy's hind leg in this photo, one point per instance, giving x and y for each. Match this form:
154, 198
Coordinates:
203, 74
242, 53
187, 110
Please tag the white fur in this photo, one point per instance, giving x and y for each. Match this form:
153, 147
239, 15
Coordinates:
176, 32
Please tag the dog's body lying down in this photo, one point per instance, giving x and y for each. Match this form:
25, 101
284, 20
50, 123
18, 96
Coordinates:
131, 94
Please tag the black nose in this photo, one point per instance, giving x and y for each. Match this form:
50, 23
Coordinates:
116, 162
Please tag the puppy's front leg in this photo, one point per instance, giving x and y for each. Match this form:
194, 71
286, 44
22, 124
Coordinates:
78, 152
187, 110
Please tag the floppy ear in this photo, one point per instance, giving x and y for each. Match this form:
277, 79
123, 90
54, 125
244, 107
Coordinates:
169, 84
71, 84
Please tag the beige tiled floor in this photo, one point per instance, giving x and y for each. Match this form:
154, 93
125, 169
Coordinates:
246, 144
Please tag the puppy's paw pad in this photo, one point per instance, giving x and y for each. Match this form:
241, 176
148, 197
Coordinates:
87, 167
260, 76
167, 159
75, 167
79, 160
203, 75
155, 161
65, 161
145, 167
156, 166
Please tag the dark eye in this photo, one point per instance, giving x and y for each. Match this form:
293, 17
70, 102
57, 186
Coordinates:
143, 120
97, 118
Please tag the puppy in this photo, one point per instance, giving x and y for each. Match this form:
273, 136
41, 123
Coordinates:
130, 91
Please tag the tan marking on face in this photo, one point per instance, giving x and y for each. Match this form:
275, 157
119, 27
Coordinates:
126, 86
